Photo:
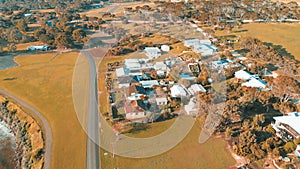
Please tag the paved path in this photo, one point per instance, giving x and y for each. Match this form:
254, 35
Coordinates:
45, 126
92, 154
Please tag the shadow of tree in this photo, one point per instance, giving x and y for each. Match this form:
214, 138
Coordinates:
281, 50
240, 31
137, 128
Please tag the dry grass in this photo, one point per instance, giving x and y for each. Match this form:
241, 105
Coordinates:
43, 10
187, 154
114, 8
24, 46
285, 35
153, 129
47, 86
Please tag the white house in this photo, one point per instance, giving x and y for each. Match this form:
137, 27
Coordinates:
205, 41
152, 52
192, 108
32, 48
135, 111
122, 72
187, 76
247, 21
160, 66
27, 14
255, 83
191, 42
135, 96
297, 151
149, 83
196, 88
205, 49
287, 126
165, 48
132, 63
125, 81
161, 101
243, 75
179, 91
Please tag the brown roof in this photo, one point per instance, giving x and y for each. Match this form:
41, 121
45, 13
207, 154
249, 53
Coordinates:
136, 89
133, 106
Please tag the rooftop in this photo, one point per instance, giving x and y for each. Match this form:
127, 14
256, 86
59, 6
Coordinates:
257, 83
152, 50
149, 83
292, 119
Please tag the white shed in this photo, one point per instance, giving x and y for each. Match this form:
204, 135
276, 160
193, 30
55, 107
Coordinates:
161, 101
165, 48
152, 52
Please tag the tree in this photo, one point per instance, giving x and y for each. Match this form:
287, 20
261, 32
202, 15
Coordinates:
37, 33
12, 47
78, 35
258, 120
22, 25
289, 147
62, 40
1, 48
228, 132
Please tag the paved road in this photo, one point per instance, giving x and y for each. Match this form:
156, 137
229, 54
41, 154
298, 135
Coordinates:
92, 154
45, 126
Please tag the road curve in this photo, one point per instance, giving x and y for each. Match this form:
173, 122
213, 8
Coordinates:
47, 134
92, 152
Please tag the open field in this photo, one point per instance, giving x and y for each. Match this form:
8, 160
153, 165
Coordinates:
114, 8
187, 154
286, 35
287, 1
46, 84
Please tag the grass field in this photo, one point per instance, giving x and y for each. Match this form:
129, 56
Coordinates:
285, 35
114, 8
46, 84
187, 154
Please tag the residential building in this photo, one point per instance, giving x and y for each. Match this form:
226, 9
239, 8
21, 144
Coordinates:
125, 81
243, 75
135, 110
153, 52
122, 72
149, 83
255, 83
136, 89
179, 91
297, 151
191, 42
205, 49
32, 48
187, 76
165, 48
160, 66
132, 63
136, 65
161, 101
205, 41
192, 108
195, 88
287, 127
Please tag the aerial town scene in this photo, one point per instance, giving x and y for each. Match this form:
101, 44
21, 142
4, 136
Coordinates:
152, 84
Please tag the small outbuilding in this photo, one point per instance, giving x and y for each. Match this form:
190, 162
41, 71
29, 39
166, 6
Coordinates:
165, 48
